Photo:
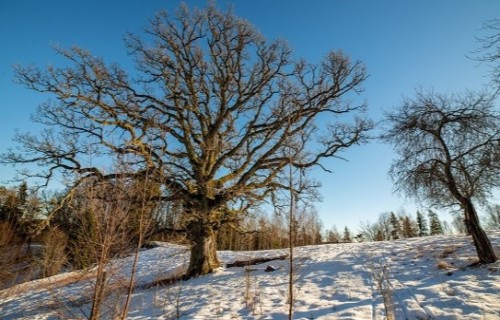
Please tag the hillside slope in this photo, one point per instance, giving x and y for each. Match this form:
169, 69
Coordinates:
422, 278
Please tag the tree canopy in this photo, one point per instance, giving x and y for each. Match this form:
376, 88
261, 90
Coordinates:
214, 113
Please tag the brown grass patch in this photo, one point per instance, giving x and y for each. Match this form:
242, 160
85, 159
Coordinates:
443, 265
448, 251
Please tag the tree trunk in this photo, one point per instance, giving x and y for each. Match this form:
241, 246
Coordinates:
203, 260
484, 249
98, 299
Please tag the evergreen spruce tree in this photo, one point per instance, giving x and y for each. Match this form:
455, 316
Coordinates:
347, 235
333, 235
379, 235
22, 194
395, 227
435, 224
422, 225
408, 228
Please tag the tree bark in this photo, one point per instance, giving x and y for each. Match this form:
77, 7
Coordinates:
484, 249
203, 260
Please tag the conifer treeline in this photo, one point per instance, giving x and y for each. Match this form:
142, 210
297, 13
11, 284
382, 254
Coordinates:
390, 226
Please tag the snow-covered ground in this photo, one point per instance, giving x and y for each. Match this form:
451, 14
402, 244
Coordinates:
424, 278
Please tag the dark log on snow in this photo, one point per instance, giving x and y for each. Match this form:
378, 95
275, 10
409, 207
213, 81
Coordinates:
251, 262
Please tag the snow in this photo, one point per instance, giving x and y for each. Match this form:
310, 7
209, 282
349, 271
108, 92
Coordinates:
425, 278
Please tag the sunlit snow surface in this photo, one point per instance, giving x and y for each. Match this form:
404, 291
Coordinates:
426, 278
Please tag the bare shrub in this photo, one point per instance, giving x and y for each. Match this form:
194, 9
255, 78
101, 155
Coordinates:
172, 300
7, 253
7, 234
252, 292
108, 219
15, 262
53, 257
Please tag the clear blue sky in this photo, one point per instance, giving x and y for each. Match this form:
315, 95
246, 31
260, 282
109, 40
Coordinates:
404, 44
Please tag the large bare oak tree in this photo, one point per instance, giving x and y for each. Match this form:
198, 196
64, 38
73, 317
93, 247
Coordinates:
213, 113
449, 154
